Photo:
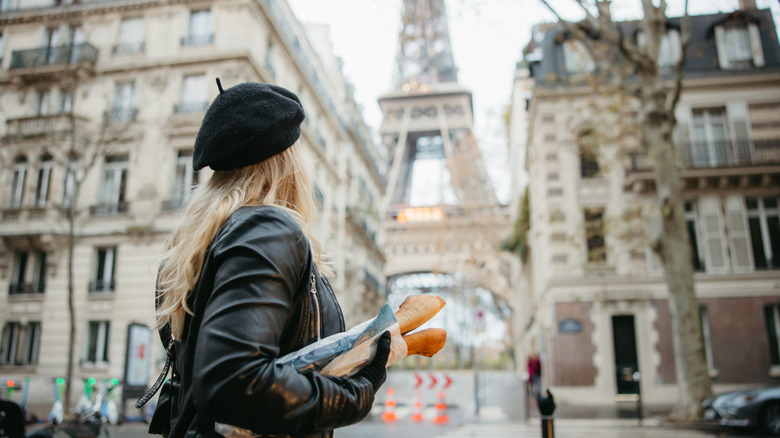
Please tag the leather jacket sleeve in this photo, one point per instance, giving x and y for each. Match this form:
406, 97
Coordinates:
260, 258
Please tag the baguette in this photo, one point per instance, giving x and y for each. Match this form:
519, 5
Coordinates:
416, 310
425, 342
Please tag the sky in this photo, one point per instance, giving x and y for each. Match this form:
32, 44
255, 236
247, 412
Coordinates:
487, 37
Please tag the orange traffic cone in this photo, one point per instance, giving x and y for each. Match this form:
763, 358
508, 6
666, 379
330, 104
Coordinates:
441, 411
417, 415
389, 414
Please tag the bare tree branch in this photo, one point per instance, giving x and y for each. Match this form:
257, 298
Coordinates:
685, 41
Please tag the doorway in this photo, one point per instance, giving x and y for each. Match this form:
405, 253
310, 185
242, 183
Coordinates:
626, 363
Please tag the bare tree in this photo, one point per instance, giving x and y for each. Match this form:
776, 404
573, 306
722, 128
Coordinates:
85, 146
634, 69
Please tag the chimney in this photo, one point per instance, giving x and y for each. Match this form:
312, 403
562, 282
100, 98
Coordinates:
747, 4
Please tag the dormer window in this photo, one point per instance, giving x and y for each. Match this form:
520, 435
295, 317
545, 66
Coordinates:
739, 45
576, 57
669, 50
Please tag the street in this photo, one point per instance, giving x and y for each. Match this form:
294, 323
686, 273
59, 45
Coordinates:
499, 414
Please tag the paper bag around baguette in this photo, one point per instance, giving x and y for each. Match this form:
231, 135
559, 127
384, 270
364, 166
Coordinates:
426, 342
416, 310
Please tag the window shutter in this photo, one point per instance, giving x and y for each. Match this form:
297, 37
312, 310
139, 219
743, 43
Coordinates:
737, 230
740, 131
720, 42
713, 237
755, 45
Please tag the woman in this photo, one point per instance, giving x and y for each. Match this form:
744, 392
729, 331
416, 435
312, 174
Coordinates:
241, 285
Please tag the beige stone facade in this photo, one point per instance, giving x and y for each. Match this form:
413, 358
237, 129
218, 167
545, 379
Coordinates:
591, 282
147, 69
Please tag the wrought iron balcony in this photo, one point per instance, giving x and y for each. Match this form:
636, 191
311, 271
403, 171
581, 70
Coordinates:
26, 288
129, 48
109, 209
121, 113
197, 39
704, 155
102, 286
190, 107
71, 54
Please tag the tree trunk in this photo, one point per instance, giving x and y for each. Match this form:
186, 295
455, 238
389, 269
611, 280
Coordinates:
71, 307
674, 249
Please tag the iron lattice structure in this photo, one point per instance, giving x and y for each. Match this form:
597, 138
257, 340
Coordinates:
424, 51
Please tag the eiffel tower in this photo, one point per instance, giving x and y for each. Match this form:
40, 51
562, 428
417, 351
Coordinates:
443, 212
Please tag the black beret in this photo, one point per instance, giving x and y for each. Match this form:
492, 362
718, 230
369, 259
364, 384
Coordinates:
246, 124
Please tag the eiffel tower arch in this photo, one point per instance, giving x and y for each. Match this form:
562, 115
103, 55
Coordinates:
444, 216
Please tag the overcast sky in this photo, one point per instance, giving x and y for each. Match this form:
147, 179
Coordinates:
487, 37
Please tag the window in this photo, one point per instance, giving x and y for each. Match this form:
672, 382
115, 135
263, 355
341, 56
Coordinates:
1, 43
52, 44
19, 283
16, 188
105, 263
20, 344
691, 222
97, 342
193, 95
576, 57
131, 36
124, 102
594, 235
589, 164
42, 103
669, 51
42, 183
739, 45
201, 30
704, 318
113, 186
69, 182
184, 181
713, 237
75, 39
710, 138
764, 225
66, 101
21, 280
772, 319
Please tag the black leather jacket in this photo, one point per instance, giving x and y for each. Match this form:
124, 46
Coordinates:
256, 305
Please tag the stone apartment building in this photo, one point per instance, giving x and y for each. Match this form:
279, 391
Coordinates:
132, 79
594, 293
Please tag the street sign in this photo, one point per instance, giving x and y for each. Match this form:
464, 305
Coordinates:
418, 379
447, 381
433, 381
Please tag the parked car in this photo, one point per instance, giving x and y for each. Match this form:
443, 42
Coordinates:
757, 408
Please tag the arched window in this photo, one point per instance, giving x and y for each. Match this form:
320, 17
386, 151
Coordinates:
18, 178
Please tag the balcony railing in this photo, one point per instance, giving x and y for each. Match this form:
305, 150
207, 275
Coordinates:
47, 56
190, 107
121, 113
41, 125
197, 40
704, 155
102, 285
129, 48
108, 209
26, 288
31, 214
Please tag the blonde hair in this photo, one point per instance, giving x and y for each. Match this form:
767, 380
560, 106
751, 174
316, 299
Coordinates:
281, 181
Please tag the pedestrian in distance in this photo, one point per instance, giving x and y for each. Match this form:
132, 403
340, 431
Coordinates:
244, 281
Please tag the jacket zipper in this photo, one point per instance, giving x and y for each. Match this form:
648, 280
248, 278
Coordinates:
316, 306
